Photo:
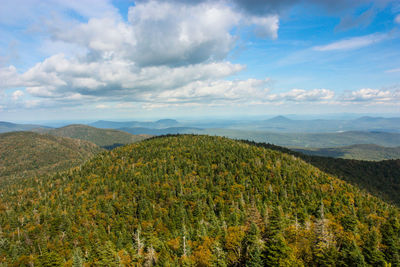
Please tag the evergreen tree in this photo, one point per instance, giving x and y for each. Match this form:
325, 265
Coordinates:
276, 248
50, 259
77, 260
107, 255
253, 247
372, 254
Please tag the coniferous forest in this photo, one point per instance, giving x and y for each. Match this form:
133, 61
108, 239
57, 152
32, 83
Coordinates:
194, 201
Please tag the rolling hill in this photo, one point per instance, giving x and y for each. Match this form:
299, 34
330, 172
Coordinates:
24, 154
195, 201
106, 138
380, 178
360, 152
12, 127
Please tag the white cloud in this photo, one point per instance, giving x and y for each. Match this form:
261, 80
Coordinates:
164, 33
102, 106
372, 95
165, 51
220, 90
17, 95
8, 78
354, 42
58, 76
300, 95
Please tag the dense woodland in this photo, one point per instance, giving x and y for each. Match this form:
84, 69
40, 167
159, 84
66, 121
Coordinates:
105, 138
194, 201
381, 178
26, 154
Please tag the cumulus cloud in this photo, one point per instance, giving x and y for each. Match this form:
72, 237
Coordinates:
9, 78
354, 43
17, 95
300, 95
220, 90
165, 52
372, 95
165, 33
58, 76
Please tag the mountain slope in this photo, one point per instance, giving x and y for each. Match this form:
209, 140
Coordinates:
106, 138
12, 127
360, 152
24, 154
195, 201
380, 178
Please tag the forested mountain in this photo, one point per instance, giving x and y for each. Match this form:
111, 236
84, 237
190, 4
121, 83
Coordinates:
360, 152
380, 178
195, 201
11, 127
106, 138
24, 154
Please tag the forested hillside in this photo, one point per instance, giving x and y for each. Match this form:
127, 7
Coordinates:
24, 154
106, 138
195, 201
381, 178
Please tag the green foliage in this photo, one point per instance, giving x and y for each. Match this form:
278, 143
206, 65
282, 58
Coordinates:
379, 178
24, 154
106, 138
194, 201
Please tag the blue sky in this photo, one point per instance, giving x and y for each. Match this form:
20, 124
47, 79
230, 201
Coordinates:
69, 60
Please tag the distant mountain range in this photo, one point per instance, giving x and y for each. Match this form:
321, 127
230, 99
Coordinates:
306, 140
12, 127
360, 152
105, 138
318, 137
164, 123
284, 124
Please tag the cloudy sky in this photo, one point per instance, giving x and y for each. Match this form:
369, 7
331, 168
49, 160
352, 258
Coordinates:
124, 59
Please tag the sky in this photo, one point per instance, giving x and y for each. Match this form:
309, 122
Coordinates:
124, 59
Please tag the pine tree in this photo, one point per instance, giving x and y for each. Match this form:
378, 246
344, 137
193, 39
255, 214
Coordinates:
77, 260
50, 259
372, 254
276, 248
107, 255
253, 247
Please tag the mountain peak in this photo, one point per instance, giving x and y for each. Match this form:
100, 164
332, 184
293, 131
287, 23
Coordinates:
279, 118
